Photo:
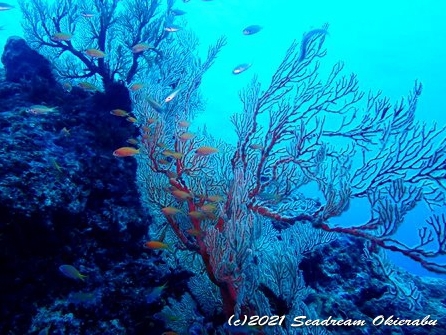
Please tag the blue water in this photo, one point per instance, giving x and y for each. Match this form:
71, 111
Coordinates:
387, 44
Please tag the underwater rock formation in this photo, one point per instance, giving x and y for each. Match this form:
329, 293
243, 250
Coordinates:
64, 199
22, 63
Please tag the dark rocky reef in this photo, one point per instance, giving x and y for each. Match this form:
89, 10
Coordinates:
25, 64
65, 199
347, 286
31, 70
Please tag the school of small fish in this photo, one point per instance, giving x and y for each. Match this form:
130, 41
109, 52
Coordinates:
207, 205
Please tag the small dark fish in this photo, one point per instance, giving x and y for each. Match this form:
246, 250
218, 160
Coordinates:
71, 272
252, 29
177, 12
155, 294
241, 68
5, 6
155, 105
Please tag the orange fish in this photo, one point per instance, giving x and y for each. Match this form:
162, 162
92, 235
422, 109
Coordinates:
136, 86
140, 47
86, 86
133, 141
186, 136
197, 215
208, 208
206, 150
170, 211
125, 152
119, 112
163, 161
95, 53
184, 123
181, 195
215, 198
59, 37
171, 174
173, 154
156, 245
131, 119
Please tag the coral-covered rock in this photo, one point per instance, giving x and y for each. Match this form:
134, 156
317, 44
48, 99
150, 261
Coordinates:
65, 199
116, 95
25, 64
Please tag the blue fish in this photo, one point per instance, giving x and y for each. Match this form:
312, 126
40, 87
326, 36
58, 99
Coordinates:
252, 29
177, 12
71, 272
155, 294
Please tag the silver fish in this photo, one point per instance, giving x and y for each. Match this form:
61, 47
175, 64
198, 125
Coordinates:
241, 68
252, 29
